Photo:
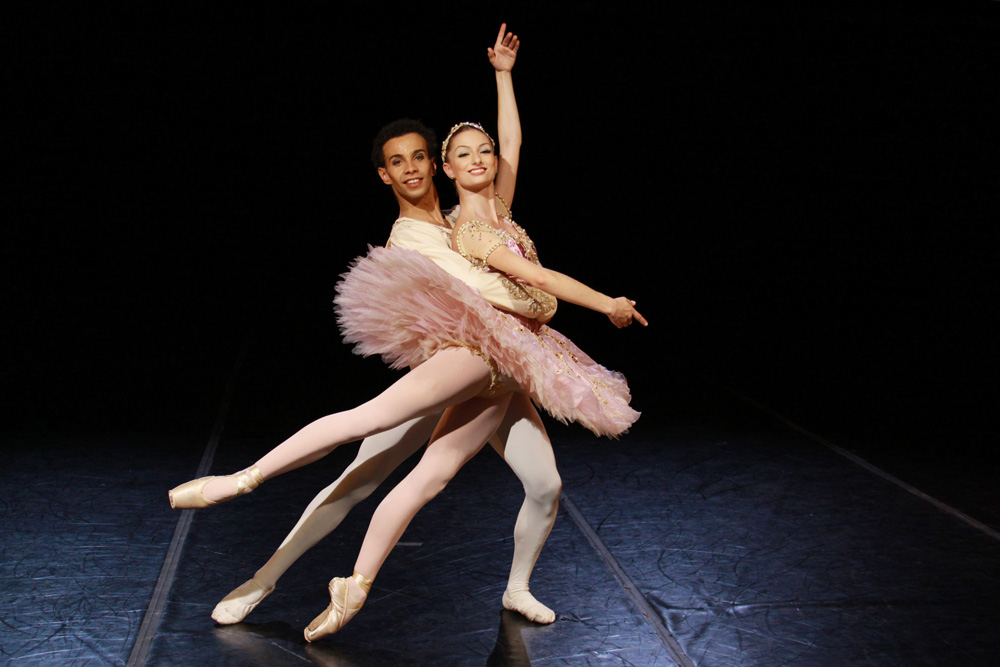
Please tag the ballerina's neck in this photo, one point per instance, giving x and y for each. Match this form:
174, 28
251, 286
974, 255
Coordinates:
479, 206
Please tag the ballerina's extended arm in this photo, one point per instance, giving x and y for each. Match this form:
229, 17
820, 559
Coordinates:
477, 241
620, 311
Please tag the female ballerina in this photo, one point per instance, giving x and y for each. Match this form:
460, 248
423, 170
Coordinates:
491, 240
456, 372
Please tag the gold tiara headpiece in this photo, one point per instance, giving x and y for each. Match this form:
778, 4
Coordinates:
457, 128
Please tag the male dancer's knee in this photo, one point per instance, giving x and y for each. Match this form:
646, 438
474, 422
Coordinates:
355, 494
543, 490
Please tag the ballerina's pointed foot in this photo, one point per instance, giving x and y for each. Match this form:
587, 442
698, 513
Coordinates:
192, 495
237, 605
524, 603
341, 609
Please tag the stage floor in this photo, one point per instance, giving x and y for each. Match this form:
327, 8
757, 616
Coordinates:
713, 534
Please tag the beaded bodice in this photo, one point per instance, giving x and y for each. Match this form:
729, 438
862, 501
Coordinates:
515, 239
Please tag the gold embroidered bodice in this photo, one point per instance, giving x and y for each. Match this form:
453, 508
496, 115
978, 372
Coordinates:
518, 242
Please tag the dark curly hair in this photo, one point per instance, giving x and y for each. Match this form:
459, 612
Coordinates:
398, 128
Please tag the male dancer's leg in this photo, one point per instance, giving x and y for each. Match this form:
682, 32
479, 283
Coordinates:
378, 456
522, 442
449, 377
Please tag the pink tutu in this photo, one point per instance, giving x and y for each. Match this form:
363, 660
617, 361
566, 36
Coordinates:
398, 304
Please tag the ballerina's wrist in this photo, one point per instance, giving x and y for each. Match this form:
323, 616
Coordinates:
610, 307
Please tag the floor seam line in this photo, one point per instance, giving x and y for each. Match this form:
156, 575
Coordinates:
645, 608
871, 467
151, 619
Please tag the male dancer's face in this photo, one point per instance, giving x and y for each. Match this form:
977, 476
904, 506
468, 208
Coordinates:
409, 167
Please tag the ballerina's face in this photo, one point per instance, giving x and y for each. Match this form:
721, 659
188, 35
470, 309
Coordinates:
472, 160
409, 167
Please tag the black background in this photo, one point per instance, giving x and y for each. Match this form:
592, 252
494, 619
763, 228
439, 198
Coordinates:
802, 200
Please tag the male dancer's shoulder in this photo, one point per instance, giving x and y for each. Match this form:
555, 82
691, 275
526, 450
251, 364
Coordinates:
419, 235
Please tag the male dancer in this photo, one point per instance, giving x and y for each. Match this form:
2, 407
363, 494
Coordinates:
404, 155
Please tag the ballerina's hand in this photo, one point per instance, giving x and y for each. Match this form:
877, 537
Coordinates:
504, 52
624, 313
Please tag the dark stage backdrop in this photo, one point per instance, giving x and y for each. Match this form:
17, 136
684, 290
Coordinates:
797, 198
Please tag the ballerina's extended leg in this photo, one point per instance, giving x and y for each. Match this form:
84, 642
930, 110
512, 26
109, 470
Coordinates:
451, 376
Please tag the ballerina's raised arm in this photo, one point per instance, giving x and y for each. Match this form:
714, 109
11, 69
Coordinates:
502, 56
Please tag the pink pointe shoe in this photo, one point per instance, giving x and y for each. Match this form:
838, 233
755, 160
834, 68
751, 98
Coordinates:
191, 495
341, 608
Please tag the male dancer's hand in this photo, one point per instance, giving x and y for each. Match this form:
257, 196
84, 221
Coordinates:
504, 52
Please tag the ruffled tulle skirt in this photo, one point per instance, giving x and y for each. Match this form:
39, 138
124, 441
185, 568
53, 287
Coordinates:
398, 304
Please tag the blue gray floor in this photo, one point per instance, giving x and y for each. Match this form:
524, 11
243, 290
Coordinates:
752, 544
